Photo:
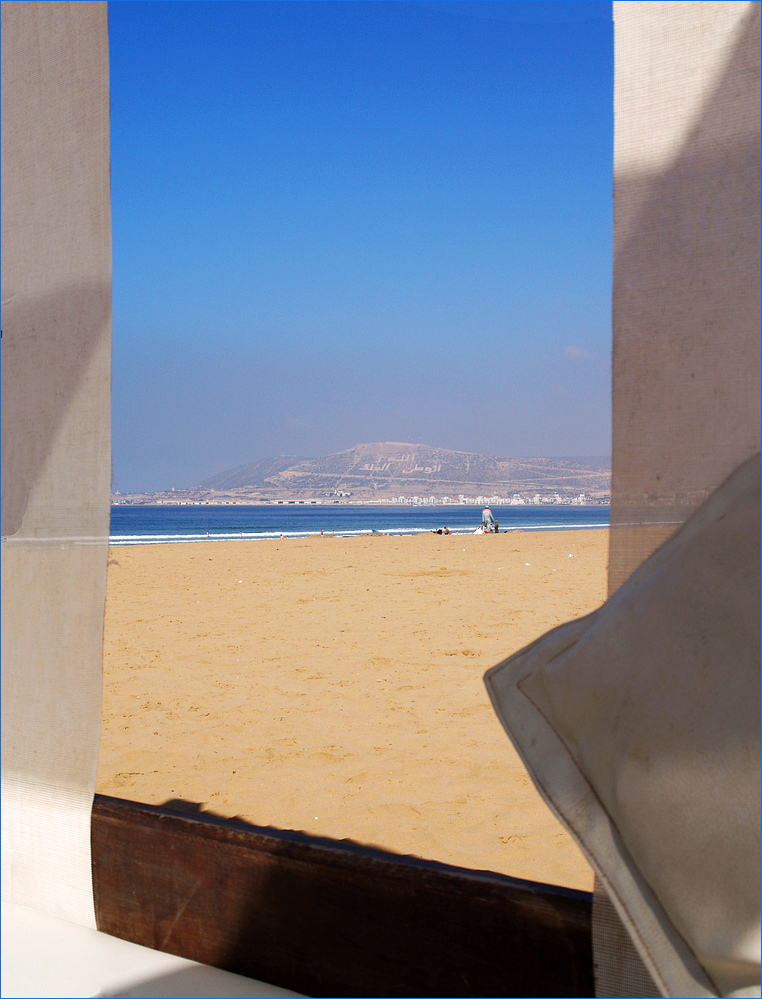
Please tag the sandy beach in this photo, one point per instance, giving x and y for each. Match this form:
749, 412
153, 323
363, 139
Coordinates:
335, 686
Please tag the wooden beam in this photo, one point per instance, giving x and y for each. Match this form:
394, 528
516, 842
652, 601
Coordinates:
331, 918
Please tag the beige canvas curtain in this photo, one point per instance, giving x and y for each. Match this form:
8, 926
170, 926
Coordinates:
56, 464
686, 262
686, 300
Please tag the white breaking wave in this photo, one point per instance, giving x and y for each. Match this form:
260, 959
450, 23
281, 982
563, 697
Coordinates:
162, 539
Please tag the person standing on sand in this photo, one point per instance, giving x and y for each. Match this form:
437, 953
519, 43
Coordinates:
488, 521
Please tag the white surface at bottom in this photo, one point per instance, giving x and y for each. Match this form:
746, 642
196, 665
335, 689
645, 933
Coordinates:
46, 957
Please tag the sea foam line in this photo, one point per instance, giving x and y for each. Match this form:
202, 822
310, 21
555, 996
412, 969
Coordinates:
159, 539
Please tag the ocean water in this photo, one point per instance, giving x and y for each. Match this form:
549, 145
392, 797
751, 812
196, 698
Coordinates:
151, 525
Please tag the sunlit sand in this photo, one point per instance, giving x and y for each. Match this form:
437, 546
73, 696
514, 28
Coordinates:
335, 686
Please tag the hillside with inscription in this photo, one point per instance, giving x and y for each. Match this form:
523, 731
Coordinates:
394, 471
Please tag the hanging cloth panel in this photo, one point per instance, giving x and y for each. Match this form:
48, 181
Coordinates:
56, 460
686, 298
686, 306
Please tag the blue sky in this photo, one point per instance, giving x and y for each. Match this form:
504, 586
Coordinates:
340, 222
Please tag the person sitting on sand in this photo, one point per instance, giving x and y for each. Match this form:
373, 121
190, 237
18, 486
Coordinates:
488, 521
447, 530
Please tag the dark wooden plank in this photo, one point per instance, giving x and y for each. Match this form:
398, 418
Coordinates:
331, 918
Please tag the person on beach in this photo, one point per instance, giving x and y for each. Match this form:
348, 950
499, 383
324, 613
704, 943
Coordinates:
488, 521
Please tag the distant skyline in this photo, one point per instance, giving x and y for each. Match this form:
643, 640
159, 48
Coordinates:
338, 222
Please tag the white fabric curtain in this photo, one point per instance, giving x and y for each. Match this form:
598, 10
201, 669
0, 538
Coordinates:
686, 309
56, 449
686, 403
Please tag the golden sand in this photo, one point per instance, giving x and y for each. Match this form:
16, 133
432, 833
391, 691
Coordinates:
335, 686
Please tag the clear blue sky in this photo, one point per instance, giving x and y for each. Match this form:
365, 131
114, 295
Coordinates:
340, 222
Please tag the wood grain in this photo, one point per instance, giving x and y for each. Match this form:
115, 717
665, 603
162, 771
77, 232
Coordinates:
331, 918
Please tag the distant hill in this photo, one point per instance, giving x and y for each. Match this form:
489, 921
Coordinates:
394, 469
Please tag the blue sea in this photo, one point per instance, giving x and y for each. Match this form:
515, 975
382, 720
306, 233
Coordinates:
152, 525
